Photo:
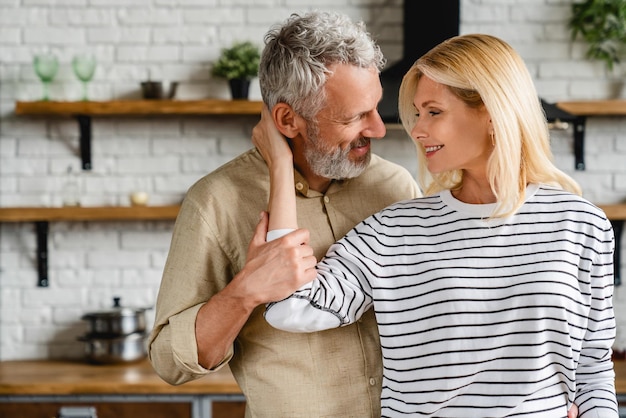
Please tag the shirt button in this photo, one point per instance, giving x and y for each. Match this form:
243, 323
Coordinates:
372, 381
326, 199
299, 186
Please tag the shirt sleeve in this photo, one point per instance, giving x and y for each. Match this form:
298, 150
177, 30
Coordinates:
338, 296
172, 346
595, 377
277, 233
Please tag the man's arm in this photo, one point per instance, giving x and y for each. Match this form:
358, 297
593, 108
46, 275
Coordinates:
271, 273
196, 323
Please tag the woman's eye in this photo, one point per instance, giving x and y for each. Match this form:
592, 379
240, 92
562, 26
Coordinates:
434, 112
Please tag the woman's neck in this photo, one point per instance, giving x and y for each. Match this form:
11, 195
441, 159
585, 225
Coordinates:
474, 191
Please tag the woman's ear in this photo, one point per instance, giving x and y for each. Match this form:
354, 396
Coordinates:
286, 120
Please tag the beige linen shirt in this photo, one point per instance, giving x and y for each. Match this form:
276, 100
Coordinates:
335, 373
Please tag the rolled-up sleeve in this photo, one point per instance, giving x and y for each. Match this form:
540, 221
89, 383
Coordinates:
195, 270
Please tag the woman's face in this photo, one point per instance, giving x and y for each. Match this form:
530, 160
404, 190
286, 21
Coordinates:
453, 135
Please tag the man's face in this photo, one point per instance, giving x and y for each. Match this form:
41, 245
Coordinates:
337, 143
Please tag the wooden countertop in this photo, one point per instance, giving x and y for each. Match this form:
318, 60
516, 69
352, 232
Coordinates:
47, 377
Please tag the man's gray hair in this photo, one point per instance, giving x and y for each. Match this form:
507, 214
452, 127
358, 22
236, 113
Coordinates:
298, 53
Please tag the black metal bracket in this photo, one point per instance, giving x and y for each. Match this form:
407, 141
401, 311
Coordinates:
618, 229
561, 118
84, 124
579, 142
42, 228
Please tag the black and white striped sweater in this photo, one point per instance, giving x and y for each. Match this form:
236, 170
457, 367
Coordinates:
477, 318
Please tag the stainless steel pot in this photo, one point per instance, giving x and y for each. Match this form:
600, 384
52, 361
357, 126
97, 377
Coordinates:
117, 321
111, 350
116, 335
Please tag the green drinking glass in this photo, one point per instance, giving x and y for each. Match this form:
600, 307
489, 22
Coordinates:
46, 66
84, 66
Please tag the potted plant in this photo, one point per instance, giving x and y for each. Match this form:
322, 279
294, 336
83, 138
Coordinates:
238, 64
602, 24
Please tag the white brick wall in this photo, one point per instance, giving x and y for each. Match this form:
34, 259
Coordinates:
90, 262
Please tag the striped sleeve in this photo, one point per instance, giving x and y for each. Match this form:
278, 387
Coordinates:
339, 295
595, 393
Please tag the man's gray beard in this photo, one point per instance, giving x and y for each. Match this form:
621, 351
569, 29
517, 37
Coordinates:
335, 165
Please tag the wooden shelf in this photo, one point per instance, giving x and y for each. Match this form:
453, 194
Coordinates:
42, 216
581, 110
616, 212
100, 213
83, 111
594, 107
140, 107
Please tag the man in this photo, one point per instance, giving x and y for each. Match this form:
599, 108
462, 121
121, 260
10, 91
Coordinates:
319, 76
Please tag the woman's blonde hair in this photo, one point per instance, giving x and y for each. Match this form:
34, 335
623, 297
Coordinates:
484, 70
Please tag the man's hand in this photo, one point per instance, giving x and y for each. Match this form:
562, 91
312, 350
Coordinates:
278, 268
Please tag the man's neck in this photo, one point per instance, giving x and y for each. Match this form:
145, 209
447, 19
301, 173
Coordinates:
315, 182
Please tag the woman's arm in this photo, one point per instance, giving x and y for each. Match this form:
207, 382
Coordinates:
277, 154
595, 388
297, 313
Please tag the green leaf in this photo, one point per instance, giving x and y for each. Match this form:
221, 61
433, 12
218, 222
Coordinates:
602, 24
241, 60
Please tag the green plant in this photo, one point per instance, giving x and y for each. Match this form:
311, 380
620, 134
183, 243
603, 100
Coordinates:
602, 24
241, 60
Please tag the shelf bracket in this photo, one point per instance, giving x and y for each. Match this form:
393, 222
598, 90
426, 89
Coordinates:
559, 119
579, 143
84, 125
618, 229
42, 228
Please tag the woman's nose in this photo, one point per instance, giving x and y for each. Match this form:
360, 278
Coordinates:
417, 133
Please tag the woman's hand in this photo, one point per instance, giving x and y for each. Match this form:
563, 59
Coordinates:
573, 412
269, 141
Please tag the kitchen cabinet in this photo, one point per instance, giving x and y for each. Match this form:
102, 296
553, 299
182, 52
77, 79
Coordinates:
83, 111
123, 409
40, 388
47, 409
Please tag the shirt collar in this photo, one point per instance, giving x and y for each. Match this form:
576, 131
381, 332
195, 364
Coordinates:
302, 186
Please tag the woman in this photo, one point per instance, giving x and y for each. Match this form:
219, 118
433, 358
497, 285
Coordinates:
493, 293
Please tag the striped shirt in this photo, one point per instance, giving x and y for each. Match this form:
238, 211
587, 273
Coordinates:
477, 317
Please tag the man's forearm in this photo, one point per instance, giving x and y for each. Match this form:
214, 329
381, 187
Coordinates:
218, 323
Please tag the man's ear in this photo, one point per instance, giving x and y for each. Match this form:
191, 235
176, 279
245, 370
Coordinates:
286, 120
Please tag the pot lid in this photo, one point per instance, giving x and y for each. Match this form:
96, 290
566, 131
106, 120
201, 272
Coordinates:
116, 311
